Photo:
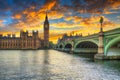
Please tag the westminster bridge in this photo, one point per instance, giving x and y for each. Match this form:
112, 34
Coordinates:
100, 43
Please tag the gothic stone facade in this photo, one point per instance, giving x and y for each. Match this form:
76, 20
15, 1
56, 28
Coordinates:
23, 42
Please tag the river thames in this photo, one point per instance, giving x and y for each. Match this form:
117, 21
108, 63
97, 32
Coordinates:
55, 65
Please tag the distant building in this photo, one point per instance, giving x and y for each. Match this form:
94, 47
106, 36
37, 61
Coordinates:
65, 37
26, 41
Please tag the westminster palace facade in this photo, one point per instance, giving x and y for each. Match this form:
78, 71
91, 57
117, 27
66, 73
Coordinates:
25, 41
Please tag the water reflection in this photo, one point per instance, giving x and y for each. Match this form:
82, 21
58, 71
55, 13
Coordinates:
45, 67
46, 57
55, 65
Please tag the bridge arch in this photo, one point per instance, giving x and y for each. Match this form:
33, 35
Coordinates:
61, 46
91, 41
86, 46
111, 43
57, 46
68, 45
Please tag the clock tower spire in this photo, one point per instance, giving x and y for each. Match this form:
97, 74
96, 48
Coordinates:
46, 32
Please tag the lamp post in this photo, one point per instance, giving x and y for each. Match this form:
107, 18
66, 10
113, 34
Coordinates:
101, 21
101, 38
100, 54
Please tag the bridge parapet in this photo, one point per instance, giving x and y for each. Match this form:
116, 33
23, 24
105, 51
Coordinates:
112, 32
88, 37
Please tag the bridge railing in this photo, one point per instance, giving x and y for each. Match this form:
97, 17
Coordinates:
86, 50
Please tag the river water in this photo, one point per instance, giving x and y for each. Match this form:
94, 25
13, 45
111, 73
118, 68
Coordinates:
54, 65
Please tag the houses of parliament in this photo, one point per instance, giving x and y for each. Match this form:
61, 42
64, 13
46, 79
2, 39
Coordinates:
25, 41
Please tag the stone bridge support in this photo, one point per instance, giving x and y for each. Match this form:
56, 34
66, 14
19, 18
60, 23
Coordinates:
100, 54
72, 49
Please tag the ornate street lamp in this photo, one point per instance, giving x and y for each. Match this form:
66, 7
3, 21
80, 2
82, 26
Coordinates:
101, 22
100, 54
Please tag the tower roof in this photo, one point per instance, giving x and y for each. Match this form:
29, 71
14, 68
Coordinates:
46, 18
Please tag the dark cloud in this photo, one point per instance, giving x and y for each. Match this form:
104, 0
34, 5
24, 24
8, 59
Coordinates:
82, 6
88, 6
16, 6
95, 6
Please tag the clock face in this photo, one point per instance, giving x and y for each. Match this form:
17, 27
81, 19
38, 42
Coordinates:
45, 26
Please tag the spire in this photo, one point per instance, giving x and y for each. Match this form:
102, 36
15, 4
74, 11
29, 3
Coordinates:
46, 18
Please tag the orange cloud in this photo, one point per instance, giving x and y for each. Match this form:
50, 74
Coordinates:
75, 19
111, 4
17, 16
31, 14
48, 6
65, 25
68, 18
108, 24
109, 12
1, 23
114, 3
54, 37
55, 15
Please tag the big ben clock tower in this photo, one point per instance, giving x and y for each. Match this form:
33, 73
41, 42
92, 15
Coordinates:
46, 32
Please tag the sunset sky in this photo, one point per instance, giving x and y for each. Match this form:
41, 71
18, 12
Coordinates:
65, 16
